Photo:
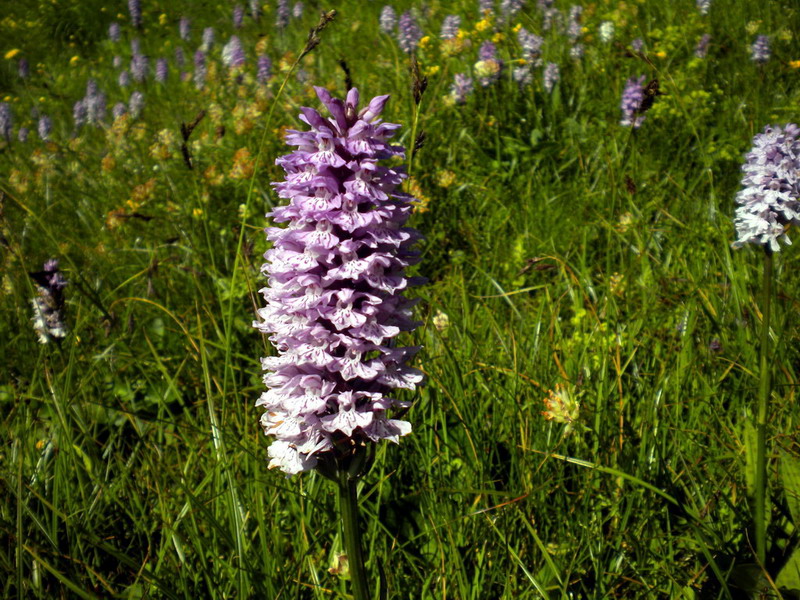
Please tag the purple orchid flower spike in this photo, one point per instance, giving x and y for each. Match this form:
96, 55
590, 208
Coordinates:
334, 303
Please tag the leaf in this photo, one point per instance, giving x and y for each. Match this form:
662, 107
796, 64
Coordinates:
750, 444
790, 478
789, 577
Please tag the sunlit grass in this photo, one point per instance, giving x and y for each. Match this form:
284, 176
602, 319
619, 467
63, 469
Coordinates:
562, 248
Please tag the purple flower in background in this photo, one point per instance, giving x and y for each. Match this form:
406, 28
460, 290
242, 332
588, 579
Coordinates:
551, 76
124, 79
408, 32
531, 46
22, 134
95, 107
113, 32
488, 67
136, 46
510, 8
637, 45
6, 120
136, 104
487, 51
523, 75
238, 16
233, 53
701, 50
79, 114
118, 110
485, 7
135, 10
388, 19
23, 68
450, 27
200, 69
574, 28
44, 127
162, 70
180, 58
302, 76
282, 13
255, 9
759, 51
768, 204
116, 61
208, 39
334, 304
551, 18
264, 71
184, 28
48, 304
139, 67
576, 52
462, 87
297, 10
703, 6
632, 98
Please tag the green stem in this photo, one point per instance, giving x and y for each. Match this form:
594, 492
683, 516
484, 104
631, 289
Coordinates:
348, 506
764, 393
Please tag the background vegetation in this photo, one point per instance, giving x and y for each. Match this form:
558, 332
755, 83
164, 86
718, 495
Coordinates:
561, 248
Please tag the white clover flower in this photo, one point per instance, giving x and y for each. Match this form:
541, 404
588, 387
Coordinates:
606, 31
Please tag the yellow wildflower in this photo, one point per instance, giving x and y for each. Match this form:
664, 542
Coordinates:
243, 165
213, 176
141, 194
441, 321
561, 406
162, 19
432, 70
412, 186
795, 64
498, 37
660, 54
12, 53
517, 27
74, 60
483, 25
241, 123
452, 46
197, 212
424, 42
446, 178
18, 181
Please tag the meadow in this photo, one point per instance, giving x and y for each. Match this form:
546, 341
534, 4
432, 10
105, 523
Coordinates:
590, 339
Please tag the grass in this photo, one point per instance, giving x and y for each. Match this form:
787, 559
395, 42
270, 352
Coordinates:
563, 249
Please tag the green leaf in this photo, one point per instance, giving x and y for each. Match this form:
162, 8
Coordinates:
750, 443
789, 577
790, 478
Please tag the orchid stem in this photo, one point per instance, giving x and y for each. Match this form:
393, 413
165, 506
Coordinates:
761, 418
348, 506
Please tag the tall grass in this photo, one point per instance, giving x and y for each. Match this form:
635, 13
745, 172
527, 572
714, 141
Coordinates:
565, 249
